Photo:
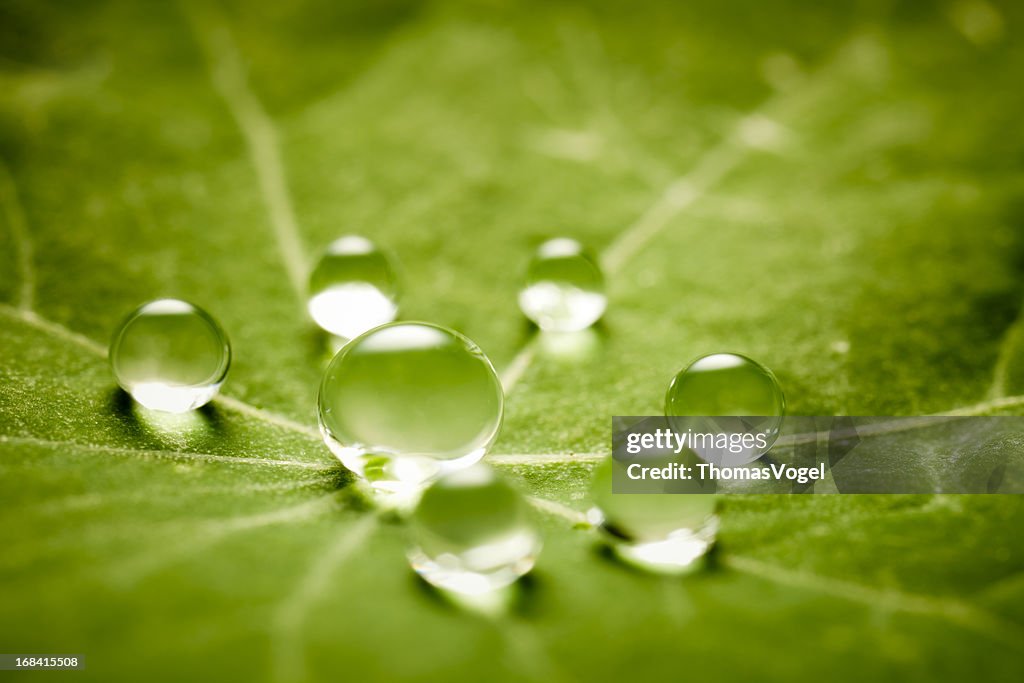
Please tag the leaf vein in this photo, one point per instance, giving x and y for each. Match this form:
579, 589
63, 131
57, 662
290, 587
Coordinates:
1007, 349
228, 75
291, 613
953, 611
15, 217
168, 454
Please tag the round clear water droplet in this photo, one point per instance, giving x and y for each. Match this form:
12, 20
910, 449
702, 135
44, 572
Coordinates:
662, 532
353, 288
730, 395
564, 289
170, 355
472, 532
408, 401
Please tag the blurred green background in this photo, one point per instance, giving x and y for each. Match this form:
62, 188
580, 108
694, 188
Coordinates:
834, 189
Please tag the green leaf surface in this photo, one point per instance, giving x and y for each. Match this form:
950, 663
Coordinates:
833, 190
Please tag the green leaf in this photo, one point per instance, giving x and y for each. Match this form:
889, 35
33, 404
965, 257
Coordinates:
835, 191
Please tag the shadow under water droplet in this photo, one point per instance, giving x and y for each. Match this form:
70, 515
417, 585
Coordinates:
172, 430
518, 599
527, 330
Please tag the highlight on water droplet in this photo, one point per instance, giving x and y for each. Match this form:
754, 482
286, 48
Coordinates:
472, 533
408, 401
564, 287
661, 531
170, 355
727, 393
353, 287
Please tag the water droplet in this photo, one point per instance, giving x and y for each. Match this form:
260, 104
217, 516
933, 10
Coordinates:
564, 289
170, 355
408, 401
353, 288
667, 533
472, 533
730, 394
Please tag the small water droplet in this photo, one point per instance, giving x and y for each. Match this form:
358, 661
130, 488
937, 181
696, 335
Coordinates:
667, 533
170, 355
564, 289
353, 288
726, 393
472, 533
